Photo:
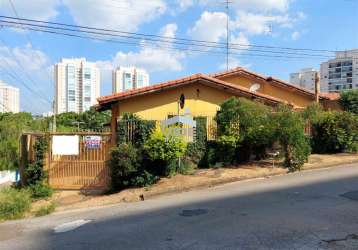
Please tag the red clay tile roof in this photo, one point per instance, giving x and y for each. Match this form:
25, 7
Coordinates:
106, 100
331, 96
273, 80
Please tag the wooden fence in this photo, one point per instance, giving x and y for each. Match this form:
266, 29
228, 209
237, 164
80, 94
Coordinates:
86, 171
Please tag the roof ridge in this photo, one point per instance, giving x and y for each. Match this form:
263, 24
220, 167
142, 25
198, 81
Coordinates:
265, 78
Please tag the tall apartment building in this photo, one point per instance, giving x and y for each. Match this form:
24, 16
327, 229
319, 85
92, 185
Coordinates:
127, 78
9, 98
340, 73
77, 85
305, 78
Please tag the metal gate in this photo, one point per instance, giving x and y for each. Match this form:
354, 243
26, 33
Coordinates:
87, 170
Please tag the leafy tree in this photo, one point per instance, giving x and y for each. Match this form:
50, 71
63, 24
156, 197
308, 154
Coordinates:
94, 120
256, 130
335, 132
313, 113
289, 127
35, 172
349, 101
227, 118
90, 120
248, 123
11, 127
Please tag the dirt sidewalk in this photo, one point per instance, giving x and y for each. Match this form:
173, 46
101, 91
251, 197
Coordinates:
201, 178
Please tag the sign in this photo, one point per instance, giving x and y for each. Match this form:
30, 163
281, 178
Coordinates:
92, 141
180, 125
65, 145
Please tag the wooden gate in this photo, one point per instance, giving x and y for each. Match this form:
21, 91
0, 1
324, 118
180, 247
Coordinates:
87, 170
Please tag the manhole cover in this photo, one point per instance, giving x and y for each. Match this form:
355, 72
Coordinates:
353, 195
193, 212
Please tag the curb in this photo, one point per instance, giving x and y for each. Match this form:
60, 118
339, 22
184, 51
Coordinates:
214, 183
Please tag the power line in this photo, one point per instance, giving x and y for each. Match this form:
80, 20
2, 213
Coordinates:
227, 34
166, 38
29, 39
16, 77
170, 47
153, 40
19, 64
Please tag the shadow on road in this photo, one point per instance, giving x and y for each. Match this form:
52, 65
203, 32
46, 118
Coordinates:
292, 212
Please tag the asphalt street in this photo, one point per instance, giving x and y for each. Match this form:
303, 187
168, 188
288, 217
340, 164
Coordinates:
307, 210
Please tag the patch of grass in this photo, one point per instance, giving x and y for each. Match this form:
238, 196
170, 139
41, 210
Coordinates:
45, 210
14, 203
40, 191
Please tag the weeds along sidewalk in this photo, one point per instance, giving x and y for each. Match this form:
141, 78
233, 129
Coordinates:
201, 178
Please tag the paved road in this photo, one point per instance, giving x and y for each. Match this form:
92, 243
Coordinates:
297, 211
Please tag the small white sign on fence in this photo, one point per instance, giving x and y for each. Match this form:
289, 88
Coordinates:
65, 145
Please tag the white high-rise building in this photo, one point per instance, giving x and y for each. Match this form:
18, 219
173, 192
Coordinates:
340, 73
304, 79
77, 85
9, 98
127, 78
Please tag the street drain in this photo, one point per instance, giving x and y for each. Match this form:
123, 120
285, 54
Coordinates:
193, 212
353, 195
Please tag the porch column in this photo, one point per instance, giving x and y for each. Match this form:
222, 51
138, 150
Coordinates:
115, 114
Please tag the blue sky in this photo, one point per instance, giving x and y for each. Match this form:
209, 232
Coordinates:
319, 24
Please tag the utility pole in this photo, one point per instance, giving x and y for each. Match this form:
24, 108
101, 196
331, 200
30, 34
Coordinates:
227, 34
54, 116
317, 87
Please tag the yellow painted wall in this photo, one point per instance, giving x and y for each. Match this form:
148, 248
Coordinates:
267, 88
157, 106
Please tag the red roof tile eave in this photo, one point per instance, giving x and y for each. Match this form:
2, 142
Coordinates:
263, 78
107, 100
146, 90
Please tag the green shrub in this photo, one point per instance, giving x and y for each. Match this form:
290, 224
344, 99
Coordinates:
11, 127
196, 150
210, 157
124, 165
34, 171
349, 101
162, 151
185, 167
144, 179
313, 113
226, 149
290, 133
134, 130
45, 210
40, 191
164, 148
14, 203
248, 123
227, 118
335, 132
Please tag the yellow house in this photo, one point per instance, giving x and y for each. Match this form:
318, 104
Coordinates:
203, 94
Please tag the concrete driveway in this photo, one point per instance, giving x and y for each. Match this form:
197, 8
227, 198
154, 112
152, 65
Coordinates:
298, 211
